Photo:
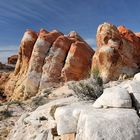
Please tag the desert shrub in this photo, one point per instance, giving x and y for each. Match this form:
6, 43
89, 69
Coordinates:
89, 89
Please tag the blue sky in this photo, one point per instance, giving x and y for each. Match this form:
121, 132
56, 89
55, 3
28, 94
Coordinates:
83, 16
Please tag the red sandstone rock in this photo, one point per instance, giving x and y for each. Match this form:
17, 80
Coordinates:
12, 59
133, 41
54, 62
117, 53
137, 34
26, 47
14, 85
47, 61
41, 50
78, 62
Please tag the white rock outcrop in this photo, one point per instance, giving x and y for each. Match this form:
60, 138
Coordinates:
63, 117
108, 124
134, 89
97, 124
38, 124
110, 117
137, 77
114, 97
67, 118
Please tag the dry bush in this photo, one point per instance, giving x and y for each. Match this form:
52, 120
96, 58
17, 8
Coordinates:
89, 89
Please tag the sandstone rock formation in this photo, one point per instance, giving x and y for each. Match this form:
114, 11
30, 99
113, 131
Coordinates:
47, 59
114, 97
67, 118
137, 77
78, 62
4, 77
40, 51
12, 59
118, 52
135, 90
14, 85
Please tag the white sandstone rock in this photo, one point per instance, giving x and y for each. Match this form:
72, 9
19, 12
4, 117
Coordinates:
27, 37
80, 118
67, 118
137, 77
114, 97
134, 89
38, 124
108, 124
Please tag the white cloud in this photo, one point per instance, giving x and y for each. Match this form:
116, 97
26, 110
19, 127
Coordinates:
91, 42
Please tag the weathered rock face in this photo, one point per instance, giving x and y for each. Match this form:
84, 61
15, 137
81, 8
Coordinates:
14, 85
69, 119
26, 47
114, 97
133, 40
137, 34
12, 59
55, 61
78, 62
47, 60
40, 51
118, 52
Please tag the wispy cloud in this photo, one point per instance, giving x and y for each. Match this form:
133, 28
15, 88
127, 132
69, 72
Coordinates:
27, 10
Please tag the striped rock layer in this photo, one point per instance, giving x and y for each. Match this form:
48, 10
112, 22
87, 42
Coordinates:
47, 59
118, 52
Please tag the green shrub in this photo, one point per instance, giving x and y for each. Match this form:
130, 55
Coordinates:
89, 89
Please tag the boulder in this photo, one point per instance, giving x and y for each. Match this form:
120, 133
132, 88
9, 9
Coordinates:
77, 67
71, 119
137, 77
15, 83
12, 59
48, 60
40, 51
117, 52
54, 62
137, 34
67, 118
108, 124
39, 124
26, 47
134, 89
70, 136
133, 40
114, 97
